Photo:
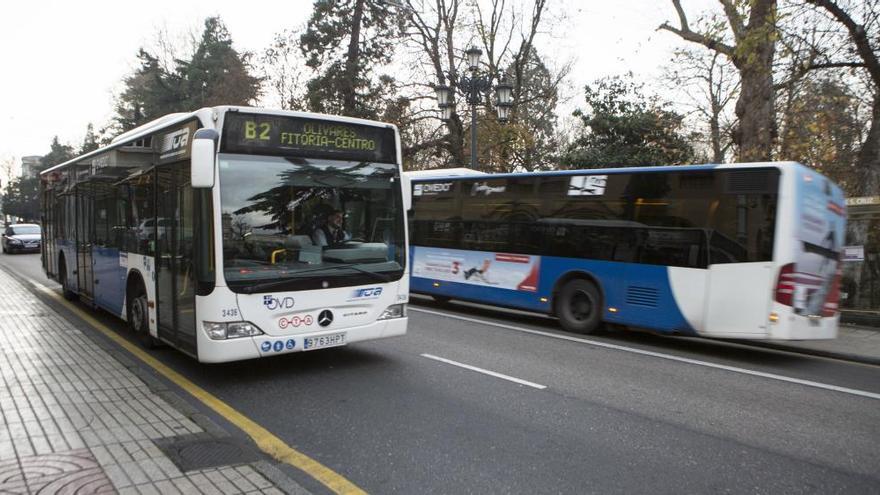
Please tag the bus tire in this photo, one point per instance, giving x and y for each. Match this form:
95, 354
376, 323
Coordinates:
62, 275
579, 307
138, 314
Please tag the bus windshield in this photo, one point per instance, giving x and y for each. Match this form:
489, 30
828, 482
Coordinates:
310, 220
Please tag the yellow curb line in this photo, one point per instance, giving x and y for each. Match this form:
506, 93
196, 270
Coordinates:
267, 442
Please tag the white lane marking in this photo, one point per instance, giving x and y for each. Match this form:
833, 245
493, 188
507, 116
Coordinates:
486, 372
734, 369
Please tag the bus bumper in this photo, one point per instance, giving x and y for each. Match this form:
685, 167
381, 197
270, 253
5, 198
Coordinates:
222, 351
796, 327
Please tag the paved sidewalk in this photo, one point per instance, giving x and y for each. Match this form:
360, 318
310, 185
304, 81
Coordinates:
853, 343
75, 420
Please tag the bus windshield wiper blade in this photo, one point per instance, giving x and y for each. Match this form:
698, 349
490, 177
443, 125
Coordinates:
376, 275
275, 283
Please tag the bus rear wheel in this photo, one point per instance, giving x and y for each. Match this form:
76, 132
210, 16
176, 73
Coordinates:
138, 317
65, 288
579, 307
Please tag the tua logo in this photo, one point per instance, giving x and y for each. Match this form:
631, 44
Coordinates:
272, 303
371, 292
176, 140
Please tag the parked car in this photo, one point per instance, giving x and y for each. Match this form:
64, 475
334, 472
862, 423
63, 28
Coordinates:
148, 229
20, 237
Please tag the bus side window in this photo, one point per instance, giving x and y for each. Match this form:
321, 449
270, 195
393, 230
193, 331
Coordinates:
142, 230
103, 201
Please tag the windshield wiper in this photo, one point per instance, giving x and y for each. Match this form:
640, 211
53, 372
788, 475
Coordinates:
250, 289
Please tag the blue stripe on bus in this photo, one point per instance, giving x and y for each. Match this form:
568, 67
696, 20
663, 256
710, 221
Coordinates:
110, 289
641, 293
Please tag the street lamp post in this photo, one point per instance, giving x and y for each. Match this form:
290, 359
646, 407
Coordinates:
474, 85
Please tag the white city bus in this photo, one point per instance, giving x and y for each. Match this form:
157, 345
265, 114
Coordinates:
747, 251
209, 230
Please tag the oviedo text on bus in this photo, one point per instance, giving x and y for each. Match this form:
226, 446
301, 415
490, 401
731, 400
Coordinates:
234, 233
748, 251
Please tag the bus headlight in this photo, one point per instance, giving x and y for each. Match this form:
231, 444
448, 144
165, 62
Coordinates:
393, 311
232, 330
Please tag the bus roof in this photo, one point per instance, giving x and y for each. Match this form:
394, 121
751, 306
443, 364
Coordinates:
618, 170
444, 172
208, 116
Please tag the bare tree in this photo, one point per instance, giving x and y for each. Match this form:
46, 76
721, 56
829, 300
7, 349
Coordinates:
752, 27
706, 82
439, 31
431, 30
507, 34
284, 71
864, 38
7, 170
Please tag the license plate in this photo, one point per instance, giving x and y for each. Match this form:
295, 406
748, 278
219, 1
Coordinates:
332, 340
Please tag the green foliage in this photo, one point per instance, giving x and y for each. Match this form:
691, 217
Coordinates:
823, 131
21, 196
91, 142
217, 74
625, 128
20, 199
149, 93
58, 153
344, 42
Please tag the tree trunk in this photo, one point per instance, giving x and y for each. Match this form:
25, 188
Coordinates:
715, 134
756, 106
868, 162
455, 145
349, 104
755, 110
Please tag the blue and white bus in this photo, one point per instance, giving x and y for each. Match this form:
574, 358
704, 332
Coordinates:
748, 251
209, 230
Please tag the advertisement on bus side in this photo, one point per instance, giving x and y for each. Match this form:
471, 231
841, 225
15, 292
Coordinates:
500, 270
822, 220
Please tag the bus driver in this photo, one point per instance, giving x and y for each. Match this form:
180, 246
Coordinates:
331, 233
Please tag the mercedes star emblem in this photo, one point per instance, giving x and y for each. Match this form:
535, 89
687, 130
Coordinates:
325, 318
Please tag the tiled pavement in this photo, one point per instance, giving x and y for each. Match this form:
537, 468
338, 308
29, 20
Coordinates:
74, 420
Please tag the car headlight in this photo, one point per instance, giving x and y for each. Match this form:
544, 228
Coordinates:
230, 330
393, 311
14, 241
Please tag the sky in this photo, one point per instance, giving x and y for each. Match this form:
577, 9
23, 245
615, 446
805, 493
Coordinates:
63, 61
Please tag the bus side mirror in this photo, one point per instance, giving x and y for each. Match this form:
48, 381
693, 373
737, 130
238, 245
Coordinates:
203, 157
406, 184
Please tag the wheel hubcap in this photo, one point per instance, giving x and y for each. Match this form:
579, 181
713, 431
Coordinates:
137, 315
581, 305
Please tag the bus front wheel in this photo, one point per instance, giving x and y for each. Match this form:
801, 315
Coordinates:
579, 307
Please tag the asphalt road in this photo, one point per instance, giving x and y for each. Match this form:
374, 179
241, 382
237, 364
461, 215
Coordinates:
619, 412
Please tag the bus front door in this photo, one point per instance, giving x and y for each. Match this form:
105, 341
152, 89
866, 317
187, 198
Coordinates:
174, 274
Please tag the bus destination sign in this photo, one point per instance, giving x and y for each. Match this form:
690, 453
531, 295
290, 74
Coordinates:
307, 138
